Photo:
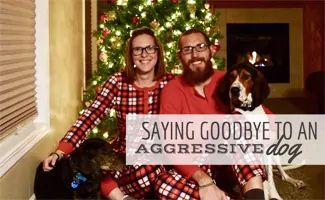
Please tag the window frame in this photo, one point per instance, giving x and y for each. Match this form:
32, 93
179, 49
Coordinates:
22, 140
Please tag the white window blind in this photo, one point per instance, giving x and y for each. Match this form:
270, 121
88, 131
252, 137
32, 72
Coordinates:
17, 64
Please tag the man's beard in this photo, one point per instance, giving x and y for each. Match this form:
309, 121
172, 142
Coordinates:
199, 75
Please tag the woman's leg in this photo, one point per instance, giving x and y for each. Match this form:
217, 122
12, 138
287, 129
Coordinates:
171, 185
138, 181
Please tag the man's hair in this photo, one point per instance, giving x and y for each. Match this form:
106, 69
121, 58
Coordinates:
190, 31
160, 68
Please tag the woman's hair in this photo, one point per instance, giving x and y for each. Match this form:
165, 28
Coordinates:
160, 68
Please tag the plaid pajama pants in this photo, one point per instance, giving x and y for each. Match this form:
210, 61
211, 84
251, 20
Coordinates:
138, 181
172, 185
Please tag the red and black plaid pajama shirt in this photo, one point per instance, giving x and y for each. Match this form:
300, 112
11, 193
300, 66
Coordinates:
125, 98
178, 97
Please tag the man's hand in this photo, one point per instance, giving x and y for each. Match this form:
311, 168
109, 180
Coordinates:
212, 193
207, 190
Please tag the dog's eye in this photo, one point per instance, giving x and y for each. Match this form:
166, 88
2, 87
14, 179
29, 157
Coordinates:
233, 76
246, 76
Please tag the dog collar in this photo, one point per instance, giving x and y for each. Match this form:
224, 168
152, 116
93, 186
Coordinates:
77, 179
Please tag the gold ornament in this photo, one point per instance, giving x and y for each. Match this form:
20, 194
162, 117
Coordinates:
207, 6
192, 8
176, 70
154, 24
111, 15
103, 56
117, 43
99, 41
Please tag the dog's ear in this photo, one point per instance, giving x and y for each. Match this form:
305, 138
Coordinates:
261, 89
222, 90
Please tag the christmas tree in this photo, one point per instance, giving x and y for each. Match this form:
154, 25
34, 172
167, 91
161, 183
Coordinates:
167, 18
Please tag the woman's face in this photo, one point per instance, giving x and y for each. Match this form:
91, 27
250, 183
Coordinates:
144, 54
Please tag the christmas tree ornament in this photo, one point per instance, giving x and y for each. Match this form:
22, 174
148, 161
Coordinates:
103, 56
117, 43
87, 104
106, 32
103, 18
192, 8
153, 1
111, 15
207, 6
154, 24
135, 20
216, 47
99, 41
175, 1
98, 90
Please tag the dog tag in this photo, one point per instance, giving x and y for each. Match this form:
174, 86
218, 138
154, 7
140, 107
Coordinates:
74, 185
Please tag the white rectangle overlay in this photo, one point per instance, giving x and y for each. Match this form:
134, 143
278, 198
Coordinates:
225, 139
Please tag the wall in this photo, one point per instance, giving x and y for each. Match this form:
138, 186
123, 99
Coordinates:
66, 81
293, 16
314, 41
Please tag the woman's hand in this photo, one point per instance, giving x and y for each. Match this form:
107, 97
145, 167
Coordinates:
50, 161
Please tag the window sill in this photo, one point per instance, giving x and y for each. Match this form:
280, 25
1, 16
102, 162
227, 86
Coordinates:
16, 145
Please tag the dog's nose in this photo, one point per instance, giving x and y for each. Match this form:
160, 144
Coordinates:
234, 91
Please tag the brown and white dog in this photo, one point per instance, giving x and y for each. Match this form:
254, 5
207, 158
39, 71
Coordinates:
244, 89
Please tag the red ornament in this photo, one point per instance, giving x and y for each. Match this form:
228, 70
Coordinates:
153, 1
216, 47
135, 20
103, 17
113, 1
106, 32
175, 1
98, 90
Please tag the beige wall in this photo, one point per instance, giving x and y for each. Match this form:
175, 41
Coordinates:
293, 16
66, 80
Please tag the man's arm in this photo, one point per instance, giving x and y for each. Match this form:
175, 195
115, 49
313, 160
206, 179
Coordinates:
171, 102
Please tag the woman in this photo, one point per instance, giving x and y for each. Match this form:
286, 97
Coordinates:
135, 90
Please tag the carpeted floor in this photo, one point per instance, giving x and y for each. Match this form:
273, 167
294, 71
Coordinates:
313, 176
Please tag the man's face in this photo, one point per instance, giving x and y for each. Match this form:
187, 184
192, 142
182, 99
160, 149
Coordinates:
197, 64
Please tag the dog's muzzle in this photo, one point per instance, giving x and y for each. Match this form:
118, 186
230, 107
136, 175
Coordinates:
234, 96
239, 100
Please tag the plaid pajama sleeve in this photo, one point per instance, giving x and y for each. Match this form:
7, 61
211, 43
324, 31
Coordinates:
245, 172
91, 117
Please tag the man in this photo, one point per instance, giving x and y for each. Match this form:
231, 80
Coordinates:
191, 93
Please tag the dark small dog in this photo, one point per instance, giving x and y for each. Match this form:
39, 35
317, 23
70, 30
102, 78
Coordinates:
79, 175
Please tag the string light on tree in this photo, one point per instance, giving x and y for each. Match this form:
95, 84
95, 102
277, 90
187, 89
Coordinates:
105, 135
